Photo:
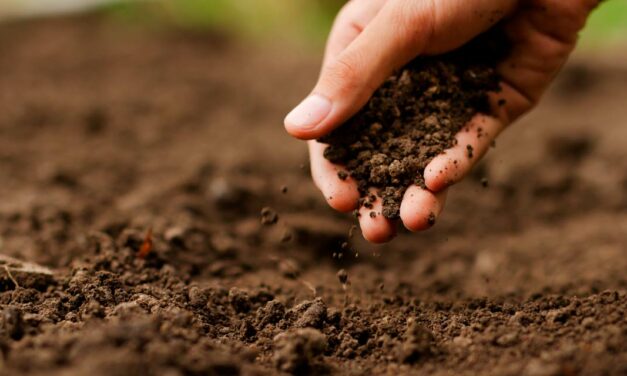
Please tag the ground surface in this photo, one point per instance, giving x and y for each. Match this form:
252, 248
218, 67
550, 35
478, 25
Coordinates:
107, 131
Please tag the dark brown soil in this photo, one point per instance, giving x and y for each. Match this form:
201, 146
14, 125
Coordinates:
108, 132
413, 117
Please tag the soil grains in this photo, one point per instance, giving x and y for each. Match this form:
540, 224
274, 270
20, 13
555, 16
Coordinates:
134, 168
413, 117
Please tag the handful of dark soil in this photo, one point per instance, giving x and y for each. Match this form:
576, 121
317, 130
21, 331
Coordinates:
413, 117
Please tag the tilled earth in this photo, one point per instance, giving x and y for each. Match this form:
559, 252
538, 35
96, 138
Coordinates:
109, 133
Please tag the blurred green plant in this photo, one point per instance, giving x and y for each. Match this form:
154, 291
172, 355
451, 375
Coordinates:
283, 19
606, 25
307, 19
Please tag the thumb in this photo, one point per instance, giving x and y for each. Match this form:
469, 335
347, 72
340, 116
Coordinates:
398, 33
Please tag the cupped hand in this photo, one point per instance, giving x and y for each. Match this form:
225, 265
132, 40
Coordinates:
370, 39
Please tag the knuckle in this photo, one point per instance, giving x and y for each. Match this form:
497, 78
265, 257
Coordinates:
349, 11
343, 75
344, 13
414, 21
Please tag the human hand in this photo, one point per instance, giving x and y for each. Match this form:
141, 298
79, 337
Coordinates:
372, 38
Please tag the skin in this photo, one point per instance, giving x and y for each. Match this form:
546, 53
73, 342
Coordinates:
370, 39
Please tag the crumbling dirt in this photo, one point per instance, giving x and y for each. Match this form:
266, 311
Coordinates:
115, 140
413, 117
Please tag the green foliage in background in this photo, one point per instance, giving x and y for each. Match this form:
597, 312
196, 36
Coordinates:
607, 24
307, 19
268, 19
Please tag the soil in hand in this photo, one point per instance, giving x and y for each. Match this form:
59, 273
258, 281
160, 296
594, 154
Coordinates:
413, 117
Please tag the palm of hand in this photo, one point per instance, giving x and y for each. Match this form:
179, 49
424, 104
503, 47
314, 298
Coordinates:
542, 32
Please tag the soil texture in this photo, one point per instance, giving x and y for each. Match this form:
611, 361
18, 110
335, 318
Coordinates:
413, 117
155, 220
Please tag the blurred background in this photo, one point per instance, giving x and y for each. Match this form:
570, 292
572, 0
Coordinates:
305, 21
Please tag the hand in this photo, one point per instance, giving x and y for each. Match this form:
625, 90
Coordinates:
372, 38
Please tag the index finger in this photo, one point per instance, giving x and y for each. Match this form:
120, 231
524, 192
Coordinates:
349, 23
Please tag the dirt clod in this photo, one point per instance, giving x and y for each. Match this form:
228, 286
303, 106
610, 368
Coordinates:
297, 350
431, 219
269, 216
239, 300
312, 314
342, 275
418, 344
469, 151
13, 323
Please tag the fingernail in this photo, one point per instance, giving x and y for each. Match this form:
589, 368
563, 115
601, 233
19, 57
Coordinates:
309, 113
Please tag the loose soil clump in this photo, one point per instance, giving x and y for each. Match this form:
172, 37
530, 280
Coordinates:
522, 278
413, 117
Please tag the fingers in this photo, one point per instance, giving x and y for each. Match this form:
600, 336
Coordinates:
419, 211
399, 31
348, 80
420, 208
472, 143
341, 195
543, 34
374, 226
349, 23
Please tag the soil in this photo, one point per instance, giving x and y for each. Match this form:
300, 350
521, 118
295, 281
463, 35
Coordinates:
134, 167
413, 117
